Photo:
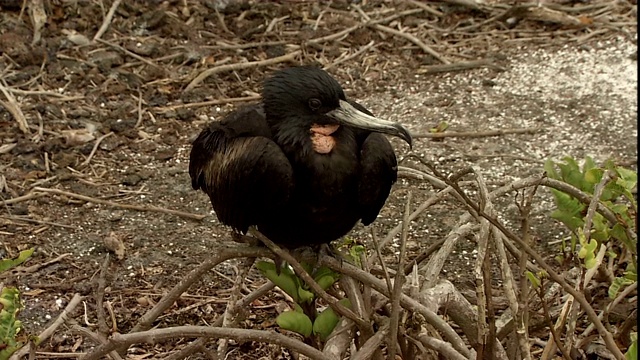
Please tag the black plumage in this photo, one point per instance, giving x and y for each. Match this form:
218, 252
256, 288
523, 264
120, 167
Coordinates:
304, 165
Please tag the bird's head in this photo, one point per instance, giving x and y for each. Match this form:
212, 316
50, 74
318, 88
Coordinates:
308, 96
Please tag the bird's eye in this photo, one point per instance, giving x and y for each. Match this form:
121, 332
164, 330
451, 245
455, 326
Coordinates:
315, 104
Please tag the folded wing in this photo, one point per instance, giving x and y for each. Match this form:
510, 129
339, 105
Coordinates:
246, 175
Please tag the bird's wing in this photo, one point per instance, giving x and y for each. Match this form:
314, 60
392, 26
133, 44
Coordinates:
379, 172
245, 174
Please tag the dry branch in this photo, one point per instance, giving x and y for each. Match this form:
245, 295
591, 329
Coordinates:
46, 333
408, 303
240, 66
107, 20
239, 335
14, 109
122, 206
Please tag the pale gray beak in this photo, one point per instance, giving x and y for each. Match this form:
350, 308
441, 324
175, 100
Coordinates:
347, 114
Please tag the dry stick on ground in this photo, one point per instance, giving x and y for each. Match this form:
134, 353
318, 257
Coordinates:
239, 335
591, 314
229, 318
441, 347
398, 282
208, 103
476, 134
33, 268
341, 337
291, 56
95, 148
351, 29
554, 333
371, 346
484, 339
445, 296
96, 337
330, 300
510, 292
131, 54
101, 284
197, 345
605, 314
12, 107
218, 255
521, 316
122, 206
44, 335
534, 180
240, 66
426, 8
354, 55
414, 40
407, 302
342, 340
459, 66
107, 20
44, 222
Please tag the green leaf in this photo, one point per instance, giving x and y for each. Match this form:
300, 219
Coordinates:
6, 264
550, 169
593, 176
632, 352
618, 232
617, 284
535, 282
325, 277
284, 280
588, 165
569, 210
570, 173
295, 321
627, 178
327, 321
10, 326
304, 296
600, 227
441, 127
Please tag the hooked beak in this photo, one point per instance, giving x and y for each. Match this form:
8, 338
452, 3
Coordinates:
348, 115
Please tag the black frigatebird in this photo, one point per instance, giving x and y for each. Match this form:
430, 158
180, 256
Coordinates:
303, 166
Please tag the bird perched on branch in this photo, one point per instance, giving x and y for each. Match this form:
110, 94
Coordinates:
303, 166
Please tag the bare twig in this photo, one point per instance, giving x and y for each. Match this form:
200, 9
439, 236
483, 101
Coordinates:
241, 335
459, 66
606, 335
208, 103
476, 134
552, 328
95, 148
129, 53
107, 20
44, 335
101, 284
14, 109
398, 282
240, 66
414, 40
408, 303
371, 346
440, 346
122, 206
